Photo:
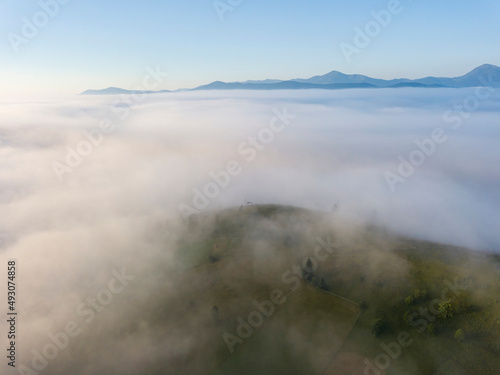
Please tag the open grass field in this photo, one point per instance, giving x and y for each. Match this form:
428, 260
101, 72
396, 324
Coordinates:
302, 336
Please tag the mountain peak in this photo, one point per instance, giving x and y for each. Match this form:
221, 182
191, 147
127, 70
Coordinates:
477, 76
483, 68
487, 66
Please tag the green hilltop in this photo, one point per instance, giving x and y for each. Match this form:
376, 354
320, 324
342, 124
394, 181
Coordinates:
283, 290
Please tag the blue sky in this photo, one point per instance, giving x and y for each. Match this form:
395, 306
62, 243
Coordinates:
96, 44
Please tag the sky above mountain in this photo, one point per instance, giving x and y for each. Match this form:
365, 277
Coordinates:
56, 46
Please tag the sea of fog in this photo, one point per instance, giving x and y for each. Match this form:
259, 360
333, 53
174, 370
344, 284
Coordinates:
422, 162
95, 191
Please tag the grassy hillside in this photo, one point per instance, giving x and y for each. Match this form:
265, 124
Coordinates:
261, 308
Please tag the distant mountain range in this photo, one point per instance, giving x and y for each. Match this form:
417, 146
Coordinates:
484, 75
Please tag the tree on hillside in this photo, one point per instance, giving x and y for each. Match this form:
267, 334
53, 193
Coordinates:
213, 258
459, 335
308, 272
406, 317
445, 310
431, 329
409, 301
420, 294
309, 264
378, 328
322, 284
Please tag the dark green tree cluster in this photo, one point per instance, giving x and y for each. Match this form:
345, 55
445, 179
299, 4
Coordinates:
418, 295
307, 271
379, 327
213, 258
316, 281
459, 335
445, 310
322, 284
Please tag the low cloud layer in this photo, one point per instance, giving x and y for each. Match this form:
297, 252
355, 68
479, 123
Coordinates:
72, 220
